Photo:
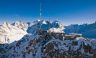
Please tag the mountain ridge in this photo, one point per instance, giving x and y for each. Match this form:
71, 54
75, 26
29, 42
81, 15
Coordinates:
41, 42
87, 30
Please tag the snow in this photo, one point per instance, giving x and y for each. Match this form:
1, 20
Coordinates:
56, 30
21, 25
21, 42
80, 38
44, 22
60, 29
10, 33
38, 20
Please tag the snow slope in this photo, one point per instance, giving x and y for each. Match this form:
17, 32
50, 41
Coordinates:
10, 33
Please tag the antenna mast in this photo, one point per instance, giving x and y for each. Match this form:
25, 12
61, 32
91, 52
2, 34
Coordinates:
40, 10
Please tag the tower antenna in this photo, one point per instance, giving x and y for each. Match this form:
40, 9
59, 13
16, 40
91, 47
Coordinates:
40, 10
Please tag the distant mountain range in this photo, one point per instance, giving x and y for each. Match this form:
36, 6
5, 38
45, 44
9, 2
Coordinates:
43, 39
87, 30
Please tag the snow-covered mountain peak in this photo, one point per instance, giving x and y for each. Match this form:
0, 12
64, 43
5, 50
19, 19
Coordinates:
54, 26
6, 24
10, 33
21, 25
41, 21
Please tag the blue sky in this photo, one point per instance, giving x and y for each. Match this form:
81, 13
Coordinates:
67, 11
